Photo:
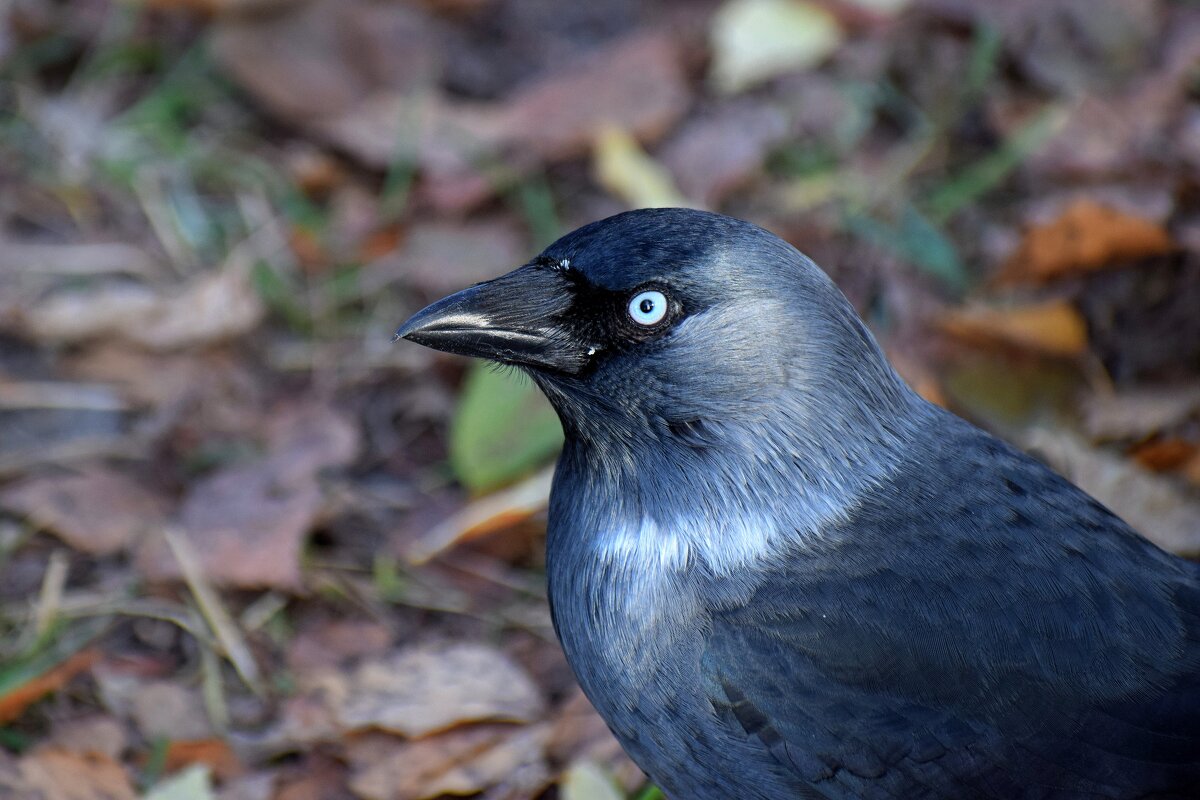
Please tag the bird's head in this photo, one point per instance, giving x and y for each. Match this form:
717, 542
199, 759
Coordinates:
703, 369
672, 325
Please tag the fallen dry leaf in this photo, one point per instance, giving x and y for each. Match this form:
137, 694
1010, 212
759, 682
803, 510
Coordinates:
437, 257
451, 141
1191, 470
1139, 412
93, 734
756, 40
248, 522
1164, 455
1053, 328
713, 156
627, 171
215, 754
166, 709
1154, 505
316, 777
1086, 236
1064, 44
14, 702
212, 307
490, 514
339, 53
246, 525
192, 783
157, 380
585, 780
432, 687
252, 786
463, 761
325, 643
97, 511
53, 774
580, 733
636, 85
96, 258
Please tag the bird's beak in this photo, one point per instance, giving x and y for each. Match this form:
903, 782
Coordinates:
516, 319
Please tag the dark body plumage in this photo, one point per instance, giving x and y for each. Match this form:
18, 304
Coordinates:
778, 573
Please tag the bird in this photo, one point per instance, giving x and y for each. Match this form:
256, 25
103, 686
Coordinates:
778, 572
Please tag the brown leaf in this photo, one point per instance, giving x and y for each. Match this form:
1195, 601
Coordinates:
97, 511
1191, 470
428, 688
1086, 236
214, 753
1156, 506
319, 778
715, 155
94, 734
338, 53
160, 379
330, 642
1139, 412
498, 512
169, 710
251, 786
248, 522
580, 733
212, 307
1052, 328
462, 761
14, 702
1065, 44
1164, 455
636, 84
446, 138
54, 774
438, 257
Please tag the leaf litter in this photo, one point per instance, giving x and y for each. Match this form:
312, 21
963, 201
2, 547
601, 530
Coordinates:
251, 550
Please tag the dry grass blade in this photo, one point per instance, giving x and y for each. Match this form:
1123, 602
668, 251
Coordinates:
60, 395
485, 516
219, 621
51, 594
83, 448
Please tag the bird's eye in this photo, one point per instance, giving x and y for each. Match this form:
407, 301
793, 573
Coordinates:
648, 307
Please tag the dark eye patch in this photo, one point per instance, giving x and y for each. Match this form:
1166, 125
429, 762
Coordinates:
601, 314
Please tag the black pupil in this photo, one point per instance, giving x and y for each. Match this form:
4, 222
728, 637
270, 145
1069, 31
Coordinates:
646, 306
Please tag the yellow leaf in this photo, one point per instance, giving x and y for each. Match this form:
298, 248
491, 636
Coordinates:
624, 168
1052, 328
755, 40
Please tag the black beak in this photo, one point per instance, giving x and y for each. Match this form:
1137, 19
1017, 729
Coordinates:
518, 319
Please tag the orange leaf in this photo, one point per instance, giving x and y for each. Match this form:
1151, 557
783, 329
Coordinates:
215, 753
1053, 328
1086, 236
13, 704
1164, 455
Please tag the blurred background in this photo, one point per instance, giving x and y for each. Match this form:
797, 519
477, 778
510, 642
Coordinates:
251, 549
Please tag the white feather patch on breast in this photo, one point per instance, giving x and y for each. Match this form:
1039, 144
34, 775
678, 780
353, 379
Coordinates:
723, 545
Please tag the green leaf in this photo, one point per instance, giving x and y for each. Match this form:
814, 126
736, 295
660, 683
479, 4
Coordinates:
586, 781
915, 239
193, 783
990, 171
650, 792
503, 428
